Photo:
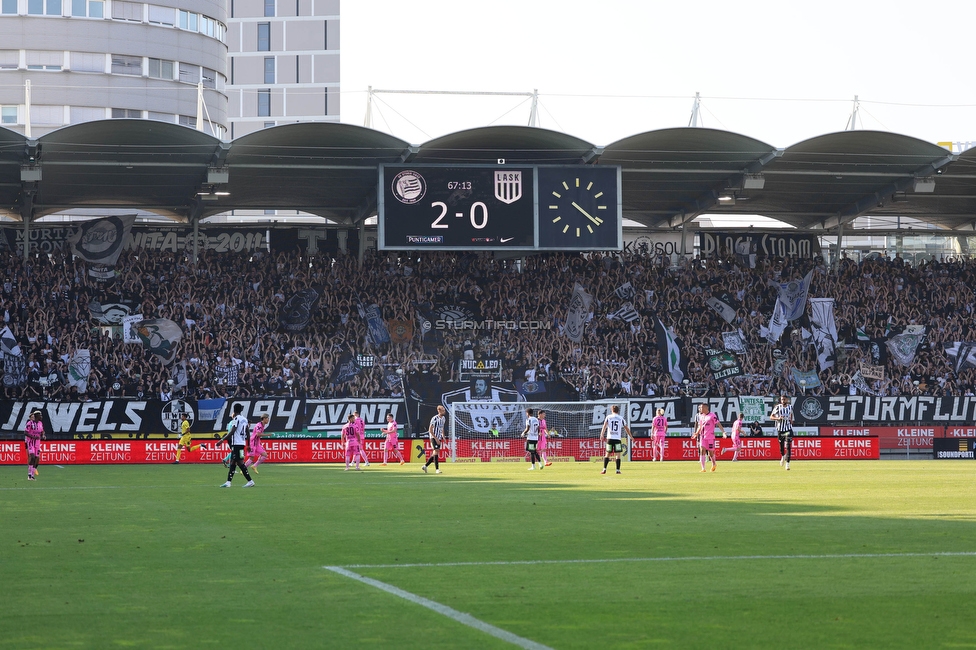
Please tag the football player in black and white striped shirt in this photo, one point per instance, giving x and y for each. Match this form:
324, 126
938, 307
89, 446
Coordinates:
782, 416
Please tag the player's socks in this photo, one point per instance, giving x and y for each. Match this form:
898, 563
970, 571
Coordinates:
606, 461
618, 464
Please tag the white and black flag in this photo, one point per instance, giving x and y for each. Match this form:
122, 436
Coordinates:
626, 313
963, 354
577, 315
100, 241
824, 330
625, 291
725, 305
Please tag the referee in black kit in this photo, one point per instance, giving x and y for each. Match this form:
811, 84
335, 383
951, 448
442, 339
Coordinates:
782, 415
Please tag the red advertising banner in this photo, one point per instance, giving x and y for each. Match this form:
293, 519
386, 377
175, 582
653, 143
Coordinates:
913, 437
486, 450
99, 452
960, 432
804, 448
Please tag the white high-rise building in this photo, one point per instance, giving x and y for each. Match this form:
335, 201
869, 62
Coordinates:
283, 63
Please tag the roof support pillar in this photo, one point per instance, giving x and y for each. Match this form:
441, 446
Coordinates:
362, 241
840, 242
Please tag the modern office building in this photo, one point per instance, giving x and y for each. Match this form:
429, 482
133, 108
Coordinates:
255, 63
99, 59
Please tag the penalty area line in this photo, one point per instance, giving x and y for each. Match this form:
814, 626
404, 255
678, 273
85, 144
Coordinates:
696, 558
444, 610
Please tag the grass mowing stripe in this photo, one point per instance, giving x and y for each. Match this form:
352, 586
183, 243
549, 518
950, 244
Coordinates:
690, 558
444, 610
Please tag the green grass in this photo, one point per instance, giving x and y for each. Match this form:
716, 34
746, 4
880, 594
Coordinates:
159, 557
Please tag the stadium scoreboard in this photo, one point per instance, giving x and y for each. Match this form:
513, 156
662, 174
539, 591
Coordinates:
499, 207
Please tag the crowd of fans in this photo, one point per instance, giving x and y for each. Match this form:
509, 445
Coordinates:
230, 308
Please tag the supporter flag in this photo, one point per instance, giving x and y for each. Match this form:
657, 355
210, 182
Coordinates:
857, 381
160, 336
806, 378
111, 312
824, 330
78, 370
734, 342
101, 241
625, 291
8, 344
576, 317
745, 252
423, 323
373, 317
297, 312
793, 296
670, 348
725, 305
963, 353
777, 323
345, 369
902, 347
401, 331
753, 409
722, 364
179, 375
872, 372
626, 313
129, 334
14, 370
530, 387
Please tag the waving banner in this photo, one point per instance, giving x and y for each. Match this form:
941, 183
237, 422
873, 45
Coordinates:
159, 336
579, 308
100, 241
297, 312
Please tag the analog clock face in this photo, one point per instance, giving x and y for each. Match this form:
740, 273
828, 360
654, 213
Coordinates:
578, 208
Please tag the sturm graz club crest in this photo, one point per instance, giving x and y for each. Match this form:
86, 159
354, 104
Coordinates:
811, 409
409, 187
508, 186
171, 414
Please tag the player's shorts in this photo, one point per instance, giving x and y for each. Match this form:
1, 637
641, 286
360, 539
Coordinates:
392, 443
184, 442
707, 443
435, 444
614, 446
33, 447
659, 438
736, 442
531, 445
352, 448
542, 444
257, 450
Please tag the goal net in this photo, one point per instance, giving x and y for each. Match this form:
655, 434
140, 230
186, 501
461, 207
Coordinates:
491, 431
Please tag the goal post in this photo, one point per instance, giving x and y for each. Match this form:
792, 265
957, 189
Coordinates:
491, 431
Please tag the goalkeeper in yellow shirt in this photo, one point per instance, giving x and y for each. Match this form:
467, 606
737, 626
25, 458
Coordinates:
185, 438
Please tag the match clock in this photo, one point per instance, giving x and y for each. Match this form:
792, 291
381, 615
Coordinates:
579, 208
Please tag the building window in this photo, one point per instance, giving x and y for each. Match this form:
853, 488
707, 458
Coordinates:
159, 69
188, 120
209, 78
269, 7
188, 21
9, 7
120, 113
130, 65
162, 15
264, 37
123, 10
325, 37
8, 115
9, 59
189, 74
269, 70
42, 7
44, 60
264, 103
162, 117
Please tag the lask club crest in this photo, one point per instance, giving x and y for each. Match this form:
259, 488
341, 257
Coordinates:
508, 186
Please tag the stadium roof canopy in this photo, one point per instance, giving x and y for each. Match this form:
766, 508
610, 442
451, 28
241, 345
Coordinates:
670, 176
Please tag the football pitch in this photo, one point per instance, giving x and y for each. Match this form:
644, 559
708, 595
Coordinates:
830, 554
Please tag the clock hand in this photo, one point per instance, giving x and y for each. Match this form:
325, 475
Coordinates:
587, 214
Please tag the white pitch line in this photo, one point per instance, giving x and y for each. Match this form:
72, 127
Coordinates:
699, 558
444, 610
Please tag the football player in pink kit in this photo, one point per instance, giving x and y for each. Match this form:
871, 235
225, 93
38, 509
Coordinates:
737, 435
705, 432
351, 440
361, 430
659, 431
543, 435
257, 454
33, 434
392, 443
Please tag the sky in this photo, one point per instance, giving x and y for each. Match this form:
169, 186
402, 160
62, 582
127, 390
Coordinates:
779, 71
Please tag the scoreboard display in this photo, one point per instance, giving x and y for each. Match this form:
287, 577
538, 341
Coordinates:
498, 207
